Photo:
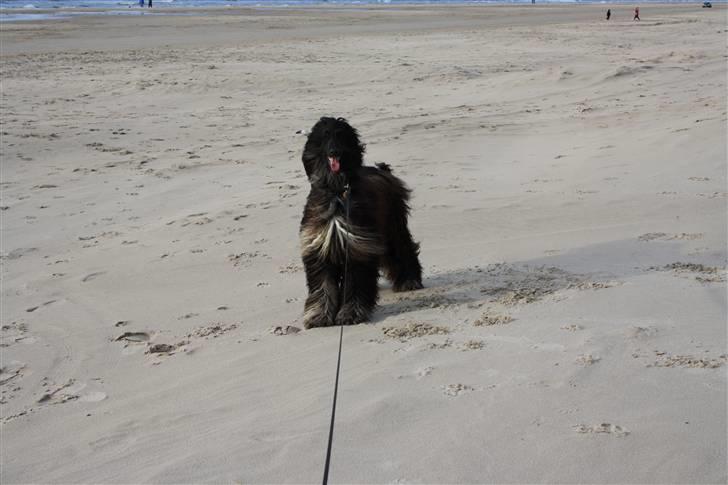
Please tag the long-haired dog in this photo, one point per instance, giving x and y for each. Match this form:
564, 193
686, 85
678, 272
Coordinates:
354, 223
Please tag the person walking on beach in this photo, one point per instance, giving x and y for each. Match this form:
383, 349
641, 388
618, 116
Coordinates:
609, 13
636, 14
149, 5
141, 3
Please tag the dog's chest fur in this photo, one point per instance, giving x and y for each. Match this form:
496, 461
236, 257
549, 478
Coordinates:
329, 235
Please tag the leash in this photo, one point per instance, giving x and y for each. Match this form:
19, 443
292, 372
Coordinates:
341, 338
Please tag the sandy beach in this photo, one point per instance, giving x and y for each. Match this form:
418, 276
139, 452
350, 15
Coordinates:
569, 195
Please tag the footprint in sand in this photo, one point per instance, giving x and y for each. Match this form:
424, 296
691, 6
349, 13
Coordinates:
133, 337
198, 219
650, 236
471, 345
17, 253
423, 300
424, 372
604, 428
211, 331
10, 376
454, 390
163, 348
15, 332
688, 361
701, 272
291, 268
488, 319
421, 373
641, 333
586, 360
285, 330
714, 195
70, 391
684, 236
413, 330
246, 259
136, 341
446, 344
92, 276
61, 394
34, 308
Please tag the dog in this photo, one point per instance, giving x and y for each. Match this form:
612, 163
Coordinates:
354, 223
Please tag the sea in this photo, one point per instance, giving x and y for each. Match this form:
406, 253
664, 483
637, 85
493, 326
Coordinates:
24, 10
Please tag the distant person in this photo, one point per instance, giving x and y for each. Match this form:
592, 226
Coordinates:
149, 5
636, 14
141, 3
609, 12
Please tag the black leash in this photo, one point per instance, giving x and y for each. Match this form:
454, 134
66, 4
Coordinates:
333, 411
338, 359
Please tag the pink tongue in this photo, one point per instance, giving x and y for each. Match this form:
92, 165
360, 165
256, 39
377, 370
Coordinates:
334, 164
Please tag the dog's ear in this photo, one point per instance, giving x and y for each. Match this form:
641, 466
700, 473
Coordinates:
357, 139
312, 149
310, 156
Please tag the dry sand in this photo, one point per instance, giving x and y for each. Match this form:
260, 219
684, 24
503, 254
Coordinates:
569, 181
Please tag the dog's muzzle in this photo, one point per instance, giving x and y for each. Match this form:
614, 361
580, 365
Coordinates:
334, 164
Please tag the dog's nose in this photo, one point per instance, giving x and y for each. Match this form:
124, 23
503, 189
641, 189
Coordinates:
332, 148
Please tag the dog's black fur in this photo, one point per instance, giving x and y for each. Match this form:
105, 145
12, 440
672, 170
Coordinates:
355, 218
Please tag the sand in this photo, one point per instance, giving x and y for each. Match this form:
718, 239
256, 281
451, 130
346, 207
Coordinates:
569, 181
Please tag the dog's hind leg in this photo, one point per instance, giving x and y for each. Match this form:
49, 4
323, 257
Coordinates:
323, 295
360, 293
401, 261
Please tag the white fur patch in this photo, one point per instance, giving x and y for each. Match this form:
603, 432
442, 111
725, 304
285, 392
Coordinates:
335, 237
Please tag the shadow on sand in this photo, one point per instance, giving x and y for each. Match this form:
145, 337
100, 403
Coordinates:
509, 283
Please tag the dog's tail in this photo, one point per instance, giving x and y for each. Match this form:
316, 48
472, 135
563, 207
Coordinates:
384, 167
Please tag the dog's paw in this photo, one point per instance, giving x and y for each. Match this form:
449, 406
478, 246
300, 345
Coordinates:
314, 321
351, 315
407, 286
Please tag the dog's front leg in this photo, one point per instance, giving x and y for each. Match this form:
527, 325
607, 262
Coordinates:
360, 293
323, 295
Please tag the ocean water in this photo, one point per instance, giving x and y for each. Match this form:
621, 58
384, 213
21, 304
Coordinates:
64, 4
67, 8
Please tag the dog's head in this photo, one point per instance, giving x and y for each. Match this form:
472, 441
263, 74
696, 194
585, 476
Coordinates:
333, 153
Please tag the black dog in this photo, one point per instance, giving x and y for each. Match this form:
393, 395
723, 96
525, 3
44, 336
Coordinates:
354, 222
